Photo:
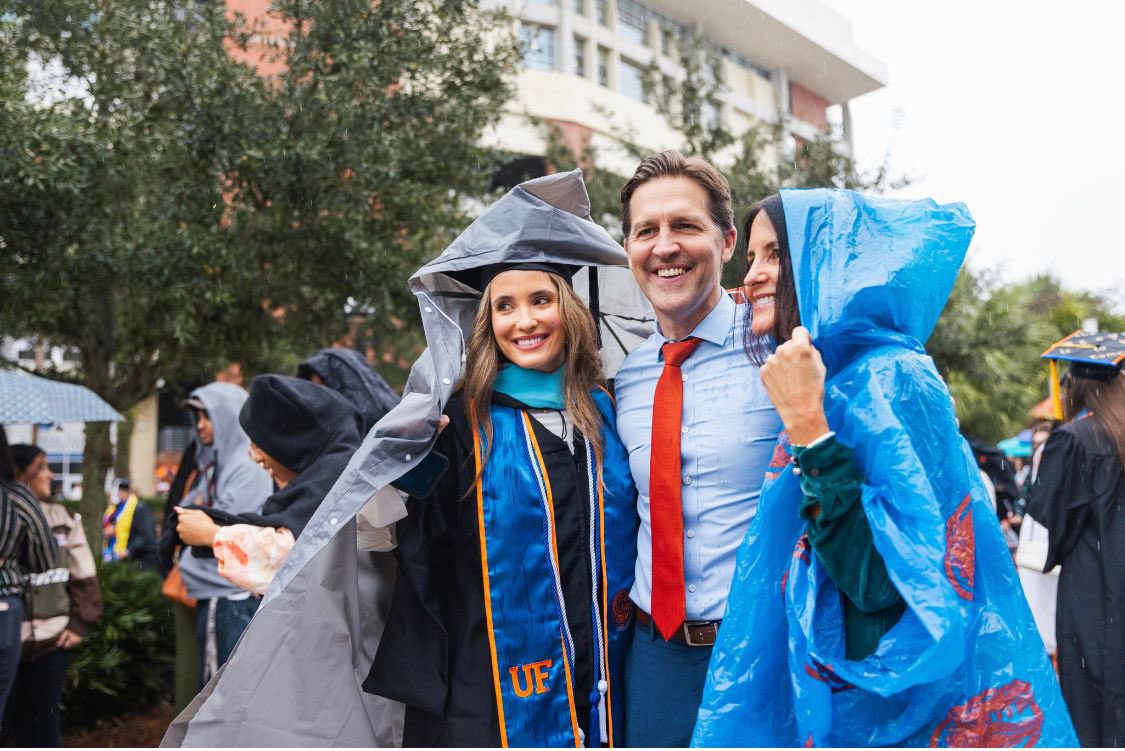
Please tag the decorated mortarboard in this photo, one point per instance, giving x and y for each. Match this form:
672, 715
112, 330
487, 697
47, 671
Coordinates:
1096, 357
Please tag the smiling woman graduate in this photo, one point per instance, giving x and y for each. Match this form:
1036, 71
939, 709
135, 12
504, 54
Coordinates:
506, 618
519, 540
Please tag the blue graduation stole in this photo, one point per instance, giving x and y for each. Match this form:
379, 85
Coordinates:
529, 638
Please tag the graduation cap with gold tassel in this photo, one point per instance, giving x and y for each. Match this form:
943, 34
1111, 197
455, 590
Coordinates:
1095, 356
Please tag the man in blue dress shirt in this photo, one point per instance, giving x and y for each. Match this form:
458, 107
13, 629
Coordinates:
679, 231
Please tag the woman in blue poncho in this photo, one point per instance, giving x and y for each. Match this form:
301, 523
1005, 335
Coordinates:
874, 601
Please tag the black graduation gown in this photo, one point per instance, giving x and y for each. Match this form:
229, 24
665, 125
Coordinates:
1079, 495
143, 550
434, 655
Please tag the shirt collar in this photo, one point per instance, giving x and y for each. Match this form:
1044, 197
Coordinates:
715, 328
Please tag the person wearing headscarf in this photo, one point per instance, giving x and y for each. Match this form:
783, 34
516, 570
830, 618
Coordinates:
64, 604
315, 633
349, 374
1079, 496
874, 602
230, 482
303, 435
27, 546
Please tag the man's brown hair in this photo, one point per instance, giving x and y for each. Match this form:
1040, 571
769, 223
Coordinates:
672, 163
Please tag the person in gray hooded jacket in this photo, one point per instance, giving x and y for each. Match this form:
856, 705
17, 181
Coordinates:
228, 480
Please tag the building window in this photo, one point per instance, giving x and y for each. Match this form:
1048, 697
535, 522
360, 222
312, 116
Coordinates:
601, 10
579, 7
538, 47
603, 66
747, 64
632, 21
579, 57
633, 81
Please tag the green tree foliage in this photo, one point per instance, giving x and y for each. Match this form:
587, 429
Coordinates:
369, 141
165, 208
988, 341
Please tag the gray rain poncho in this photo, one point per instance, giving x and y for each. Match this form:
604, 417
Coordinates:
294, 678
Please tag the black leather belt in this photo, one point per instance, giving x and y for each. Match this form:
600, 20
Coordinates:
692, 633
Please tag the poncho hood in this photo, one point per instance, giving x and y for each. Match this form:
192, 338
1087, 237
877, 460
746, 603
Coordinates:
872, 272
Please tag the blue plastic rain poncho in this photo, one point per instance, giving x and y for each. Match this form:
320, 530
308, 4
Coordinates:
964, 666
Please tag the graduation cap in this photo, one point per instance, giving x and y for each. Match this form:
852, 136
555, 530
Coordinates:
1097, 357
480, 277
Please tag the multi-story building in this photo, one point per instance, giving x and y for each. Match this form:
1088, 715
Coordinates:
589, 67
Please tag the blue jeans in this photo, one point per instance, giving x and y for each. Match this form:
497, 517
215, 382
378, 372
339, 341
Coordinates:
10, 618
231, 619
663, 689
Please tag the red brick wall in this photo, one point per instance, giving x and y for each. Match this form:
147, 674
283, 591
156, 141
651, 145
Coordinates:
257, 18
807, 106
575, 135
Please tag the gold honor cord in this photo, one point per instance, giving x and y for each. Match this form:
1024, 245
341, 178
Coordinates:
1056, 397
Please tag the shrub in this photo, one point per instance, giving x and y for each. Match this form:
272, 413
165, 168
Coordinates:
125, 662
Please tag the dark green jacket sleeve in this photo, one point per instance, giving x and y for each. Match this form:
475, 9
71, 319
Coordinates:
841, 538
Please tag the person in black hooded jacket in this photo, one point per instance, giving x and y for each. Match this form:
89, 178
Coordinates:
349, 374
303, 434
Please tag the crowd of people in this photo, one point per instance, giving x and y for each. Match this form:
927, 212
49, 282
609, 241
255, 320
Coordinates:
763, 528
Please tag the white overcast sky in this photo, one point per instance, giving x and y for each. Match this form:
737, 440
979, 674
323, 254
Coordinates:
1015, 108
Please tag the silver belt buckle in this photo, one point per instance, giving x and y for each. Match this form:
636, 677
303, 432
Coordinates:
700, 634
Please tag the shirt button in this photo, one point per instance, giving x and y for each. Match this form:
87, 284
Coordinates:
691, 533
685, 378
691, 588
814, 472
687, 481
332, 520
684, 431
445, 381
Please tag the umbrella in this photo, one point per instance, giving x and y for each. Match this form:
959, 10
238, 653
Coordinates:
1043, 410
1015, 447
30, 400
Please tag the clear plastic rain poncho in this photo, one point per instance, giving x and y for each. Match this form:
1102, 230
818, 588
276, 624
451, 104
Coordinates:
964, 666
294, 679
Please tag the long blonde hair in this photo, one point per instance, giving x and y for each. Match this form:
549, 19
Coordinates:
583, 367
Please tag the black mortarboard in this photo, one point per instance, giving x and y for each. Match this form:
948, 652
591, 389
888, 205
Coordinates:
1094, 356
480, 277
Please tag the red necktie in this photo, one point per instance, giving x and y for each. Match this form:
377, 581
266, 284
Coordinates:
665, 510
